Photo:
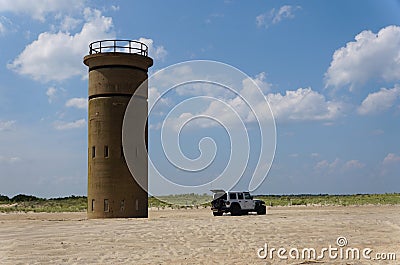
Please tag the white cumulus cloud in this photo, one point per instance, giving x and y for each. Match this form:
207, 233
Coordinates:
5, 25
260, 80
298, 105
275, 16
2, 28
338, 165
51, 94
284, 12
156, 52
326, 165
79, 103
61, 125
379, 101
370, 56
7, 125
353, 164
38, 9
69, 23
303, 104
9, 159
154, 95
58, 56
114, 8
391, 158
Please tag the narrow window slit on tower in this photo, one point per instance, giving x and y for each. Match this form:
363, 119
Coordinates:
93, 151
106, 151
93, 205
106, 206
122, 205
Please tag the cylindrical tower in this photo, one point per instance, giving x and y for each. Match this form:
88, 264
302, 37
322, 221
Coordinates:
116, 69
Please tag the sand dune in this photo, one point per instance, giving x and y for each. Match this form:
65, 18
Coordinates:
196, 237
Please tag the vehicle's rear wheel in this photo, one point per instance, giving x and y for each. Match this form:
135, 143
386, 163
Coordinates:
261, 210
236, 210
217, 213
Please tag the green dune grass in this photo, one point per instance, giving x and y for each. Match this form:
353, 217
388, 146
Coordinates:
28, 203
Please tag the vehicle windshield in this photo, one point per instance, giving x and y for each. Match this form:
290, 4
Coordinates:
247, 196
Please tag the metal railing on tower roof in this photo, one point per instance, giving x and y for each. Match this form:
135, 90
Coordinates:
123, 46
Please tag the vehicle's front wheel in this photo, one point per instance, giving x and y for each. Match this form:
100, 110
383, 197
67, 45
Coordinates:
236, 210
217, 213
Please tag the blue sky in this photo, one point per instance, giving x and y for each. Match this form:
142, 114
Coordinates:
329, 69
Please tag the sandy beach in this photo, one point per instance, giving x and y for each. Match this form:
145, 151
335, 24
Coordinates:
194, 236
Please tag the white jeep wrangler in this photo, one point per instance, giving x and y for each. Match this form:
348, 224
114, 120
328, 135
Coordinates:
235, 202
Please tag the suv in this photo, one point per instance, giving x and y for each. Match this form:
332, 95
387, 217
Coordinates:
235, 202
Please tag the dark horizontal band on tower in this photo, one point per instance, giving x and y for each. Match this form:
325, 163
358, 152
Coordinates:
117, 66
110, 95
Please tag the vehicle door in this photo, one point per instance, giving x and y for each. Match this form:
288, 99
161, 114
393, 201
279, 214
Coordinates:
248, 201
241, 200
232, 197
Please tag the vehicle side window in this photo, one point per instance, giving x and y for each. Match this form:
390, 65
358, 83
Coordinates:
240, 196
232, 196
247, 196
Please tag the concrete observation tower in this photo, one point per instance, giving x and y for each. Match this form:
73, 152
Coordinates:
116, 69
